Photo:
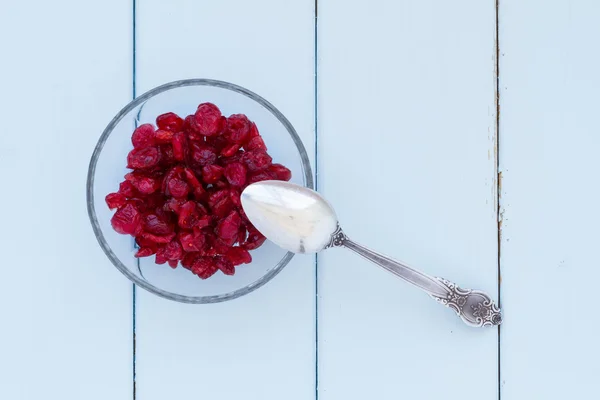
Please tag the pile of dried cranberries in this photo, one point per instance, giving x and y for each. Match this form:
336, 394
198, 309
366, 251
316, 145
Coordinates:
181, 202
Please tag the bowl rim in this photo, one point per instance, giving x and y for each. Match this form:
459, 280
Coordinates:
307, 178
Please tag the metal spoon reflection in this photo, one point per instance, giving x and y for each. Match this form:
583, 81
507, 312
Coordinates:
300, 220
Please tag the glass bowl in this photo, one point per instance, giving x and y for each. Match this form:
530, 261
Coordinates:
107, 168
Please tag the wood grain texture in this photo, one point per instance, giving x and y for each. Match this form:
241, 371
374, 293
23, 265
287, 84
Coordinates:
66, 311
549, 201
261, 346
406, 133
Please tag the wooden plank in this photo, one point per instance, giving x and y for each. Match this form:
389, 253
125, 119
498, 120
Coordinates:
406, 134
549, 141
260, 346
66, 311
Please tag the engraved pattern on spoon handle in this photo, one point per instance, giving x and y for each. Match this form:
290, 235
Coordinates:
474, 307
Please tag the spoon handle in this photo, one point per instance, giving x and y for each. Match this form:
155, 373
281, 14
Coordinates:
474, 307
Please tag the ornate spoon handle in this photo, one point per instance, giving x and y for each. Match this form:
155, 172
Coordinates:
474, 307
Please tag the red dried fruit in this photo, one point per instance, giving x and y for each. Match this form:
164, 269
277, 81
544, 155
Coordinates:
236, 174
194, 183
145, 252
202, 154
259, 176
242, 233
238, 128
188, 215
154, 203
158, 239
173, 250
255, 239
208, 119
234, 195
115, 200
218, 142
126, 220
167, 157
238, 255
143, 136
223, 207
211, 173
228, 227
170, 122
230, 150
225, 265
143, 158
157, 225
127, 189
179, 146
256, 160
279, 172
163, 137
256, 143
143, 184
216, 196
192, 241
178, 188
173, 205
160, 258
204, 267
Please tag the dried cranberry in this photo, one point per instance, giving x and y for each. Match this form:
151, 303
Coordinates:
238, 128
143, 136
202, 154
173, 250
142, 183
218, 142
167, 157
188, 216
170, 122
228, 228
126, 220
216, 196
179, 146
163, 137
178, 188
236, 174
280, 172
115, 200
194, 183
242, 233
259, 176
156, 225
143, 158
211, 173
234, 195
225, 265
256, 143
158, 239
255, 240
145, 252
173, 263
230, 150
204, 267
161, 257
223, 207
127, 189
256, 160
191, 241
238, 255
208, 119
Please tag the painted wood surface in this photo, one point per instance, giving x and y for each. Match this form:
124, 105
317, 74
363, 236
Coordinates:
549, 140
406, 133
66, 315
261, 346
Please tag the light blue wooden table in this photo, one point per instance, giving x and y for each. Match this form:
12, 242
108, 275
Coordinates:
470, 127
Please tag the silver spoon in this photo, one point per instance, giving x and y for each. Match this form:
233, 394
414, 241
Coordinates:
299, 220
